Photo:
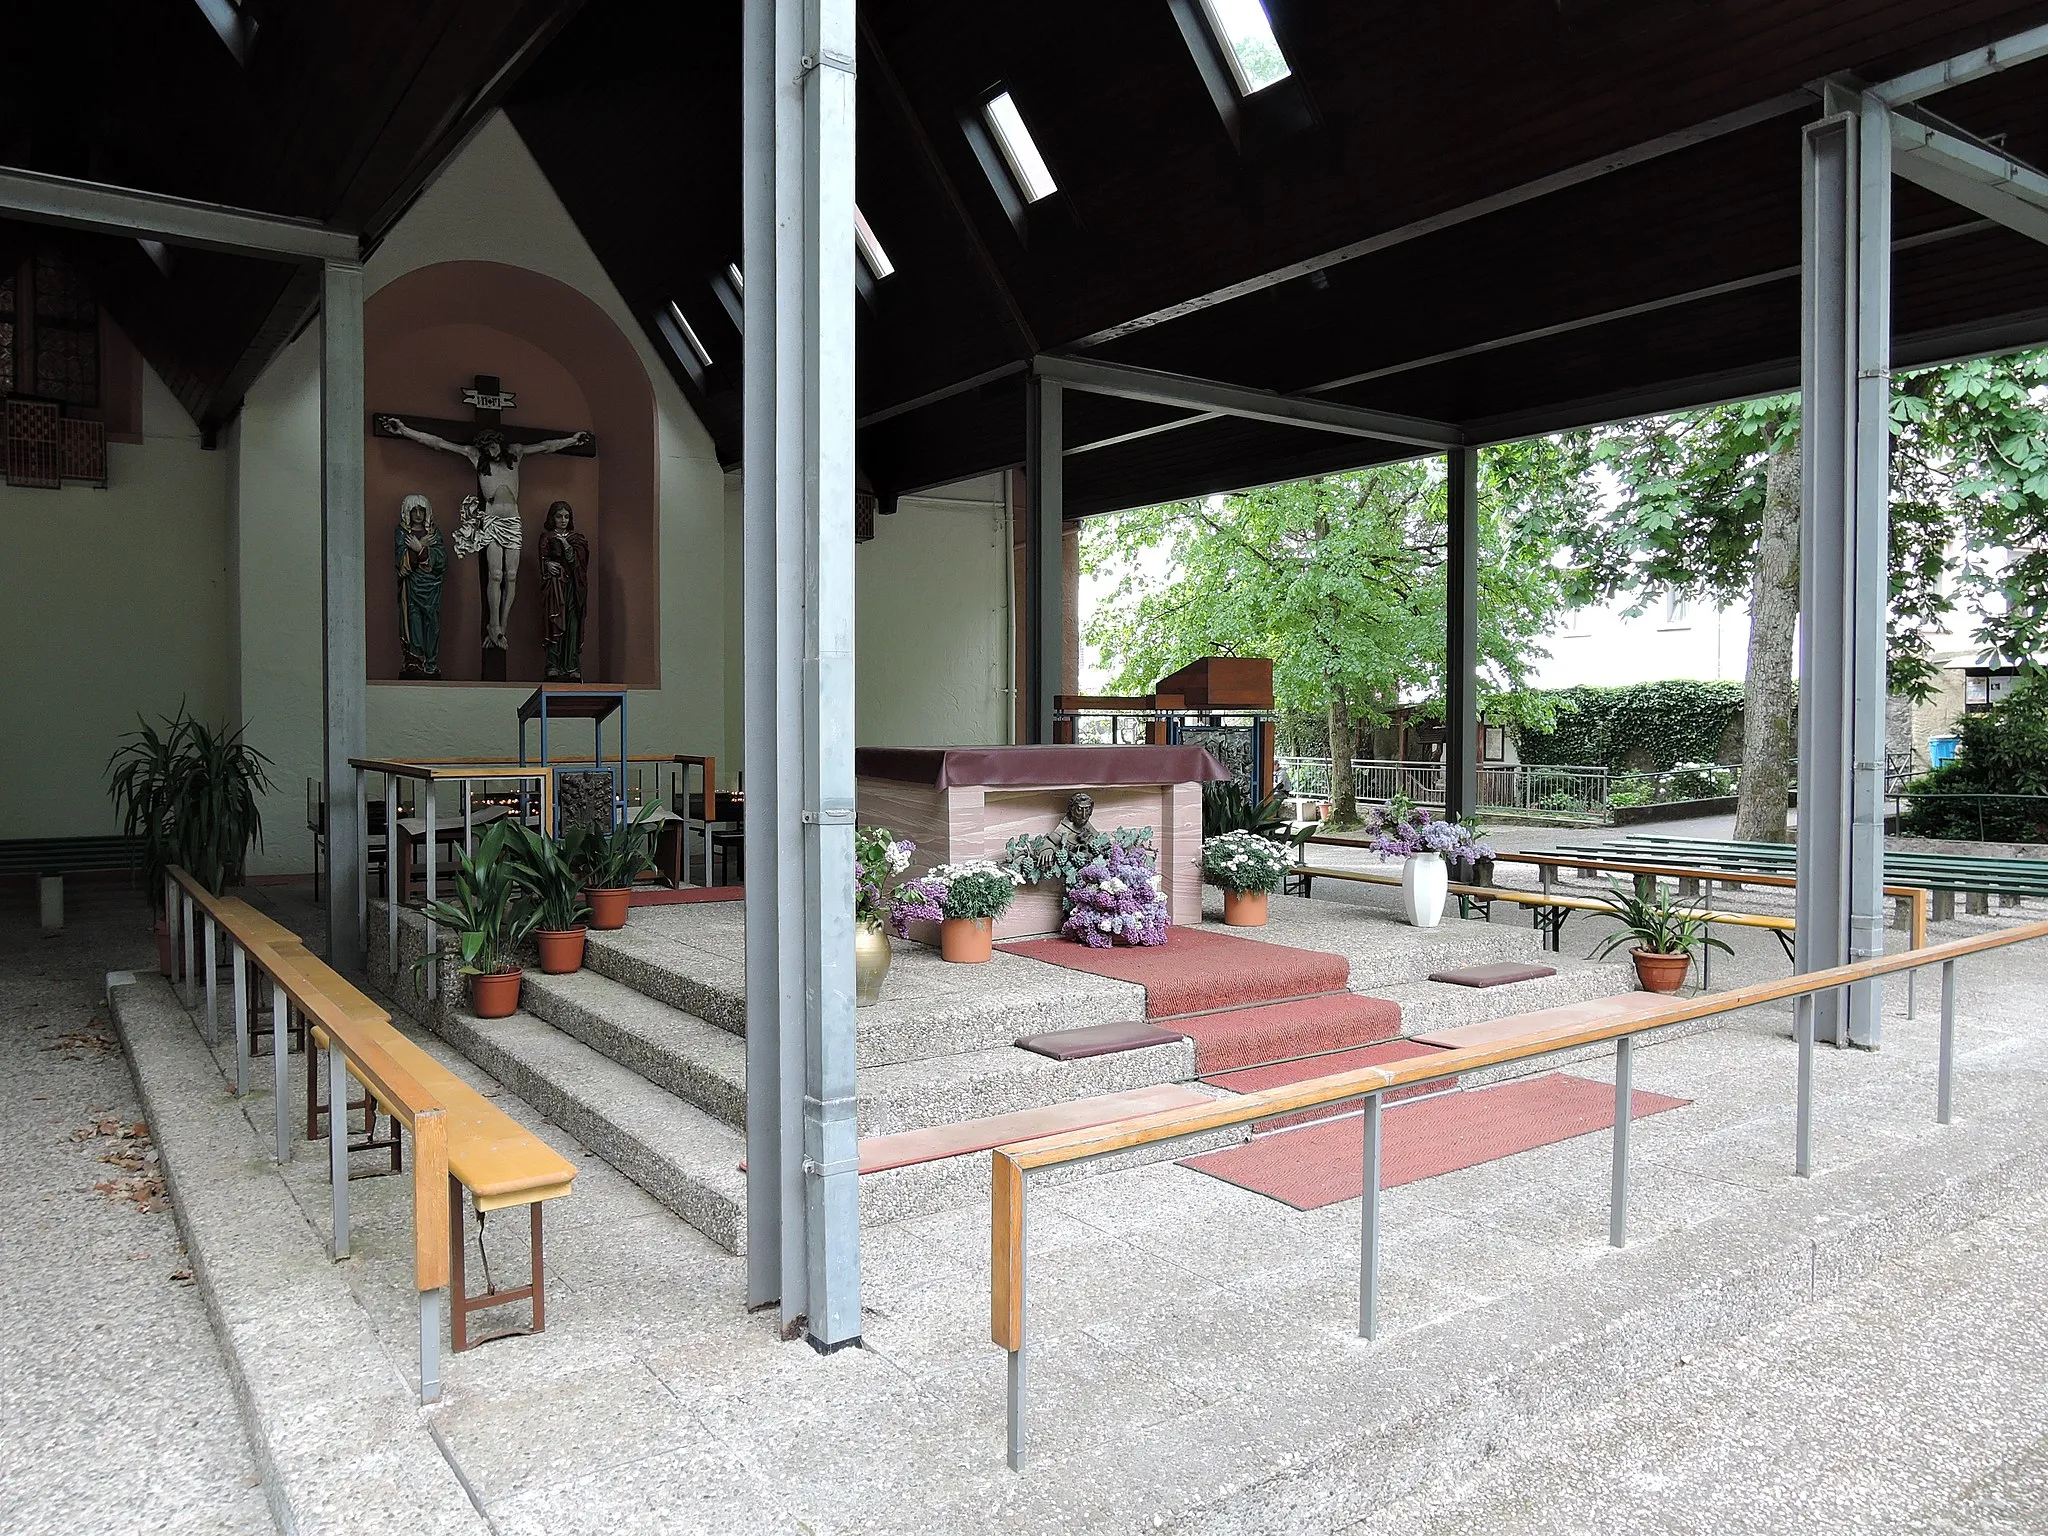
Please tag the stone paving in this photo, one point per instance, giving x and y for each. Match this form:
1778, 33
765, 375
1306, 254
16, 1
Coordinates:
1194, 1359
116, 1409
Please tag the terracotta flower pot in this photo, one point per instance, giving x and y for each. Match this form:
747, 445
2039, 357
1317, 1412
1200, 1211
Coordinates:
561, 950
495, 997
1245, 909
968, 940
608, 908
1660, 973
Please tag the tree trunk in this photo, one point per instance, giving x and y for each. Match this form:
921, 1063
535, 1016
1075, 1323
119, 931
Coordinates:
1343, 748
1771, 695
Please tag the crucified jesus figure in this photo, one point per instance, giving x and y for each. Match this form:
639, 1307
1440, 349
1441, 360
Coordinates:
493, 532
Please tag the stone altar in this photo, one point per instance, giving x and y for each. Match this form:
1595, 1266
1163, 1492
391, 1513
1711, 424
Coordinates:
959, 803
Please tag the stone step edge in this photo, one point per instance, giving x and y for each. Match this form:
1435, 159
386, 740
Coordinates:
228, 1203
709, 1192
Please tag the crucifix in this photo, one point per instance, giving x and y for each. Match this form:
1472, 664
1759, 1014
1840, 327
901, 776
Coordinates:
490, 519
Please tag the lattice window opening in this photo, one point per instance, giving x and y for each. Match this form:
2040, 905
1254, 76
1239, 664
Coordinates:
66, 333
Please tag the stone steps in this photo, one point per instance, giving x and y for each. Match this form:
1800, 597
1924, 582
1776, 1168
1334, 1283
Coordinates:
707, 1066
685, 1158
1432, 1005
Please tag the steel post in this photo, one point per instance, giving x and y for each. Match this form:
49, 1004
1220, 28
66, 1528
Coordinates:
1461, 639
241, 965
1015, 1399
1945, 1082
394, 843
362, 862
1802, 1131
428, 797
212, 962
1016, 1361
1044, 588
190, 941
337, 1136
1369, 1226
281, 1072
343, 661
825, 222
1624, 1119
430, 1346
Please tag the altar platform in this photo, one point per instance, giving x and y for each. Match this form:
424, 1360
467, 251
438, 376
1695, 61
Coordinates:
642, 1055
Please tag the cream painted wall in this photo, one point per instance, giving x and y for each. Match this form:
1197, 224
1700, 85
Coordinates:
119, 602
492, 204
932, 631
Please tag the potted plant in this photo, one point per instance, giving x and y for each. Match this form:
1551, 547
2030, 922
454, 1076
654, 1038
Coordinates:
609, 862
1422, 842
188, 796
1662, 934
878, 857
969, 897
491, 914
1249, 868
560, 913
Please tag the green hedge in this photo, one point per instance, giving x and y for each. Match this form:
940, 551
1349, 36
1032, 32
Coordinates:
1644, 725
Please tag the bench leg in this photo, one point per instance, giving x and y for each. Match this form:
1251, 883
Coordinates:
461, 1303
1979, 904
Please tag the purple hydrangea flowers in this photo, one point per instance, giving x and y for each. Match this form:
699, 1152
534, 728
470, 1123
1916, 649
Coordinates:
1117, 896
1403, 834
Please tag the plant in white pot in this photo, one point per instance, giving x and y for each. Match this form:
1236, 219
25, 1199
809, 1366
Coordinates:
1422, 842
1249, 868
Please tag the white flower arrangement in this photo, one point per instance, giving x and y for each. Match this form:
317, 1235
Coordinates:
1244, 861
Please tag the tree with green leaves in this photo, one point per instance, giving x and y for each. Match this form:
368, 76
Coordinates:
1340, 580
1709, 505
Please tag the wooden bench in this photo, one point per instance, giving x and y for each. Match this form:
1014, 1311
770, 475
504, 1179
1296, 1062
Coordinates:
461, 1140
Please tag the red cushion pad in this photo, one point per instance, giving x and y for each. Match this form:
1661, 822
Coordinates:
1098, 1040
1494, 975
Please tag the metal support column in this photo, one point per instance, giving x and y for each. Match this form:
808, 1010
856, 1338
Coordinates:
344, 657
1461, 636
1844, 570
1044, 594
797, 516
1945, 1077
1624, 1120
1369, 1226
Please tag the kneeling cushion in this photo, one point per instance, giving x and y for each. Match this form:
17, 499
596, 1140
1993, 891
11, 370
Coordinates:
1494, 975
1098, 1040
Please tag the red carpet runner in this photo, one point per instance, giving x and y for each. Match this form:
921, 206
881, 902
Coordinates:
1279, 1032
1197, 971
1323, 1164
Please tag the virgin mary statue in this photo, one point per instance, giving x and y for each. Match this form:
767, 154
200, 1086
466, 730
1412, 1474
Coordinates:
564, 593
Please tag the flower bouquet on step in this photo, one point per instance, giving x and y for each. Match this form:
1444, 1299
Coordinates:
879, 856
1116, 896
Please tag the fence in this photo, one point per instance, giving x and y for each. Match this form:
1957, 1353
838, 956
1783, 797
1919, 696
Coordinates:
1576, 791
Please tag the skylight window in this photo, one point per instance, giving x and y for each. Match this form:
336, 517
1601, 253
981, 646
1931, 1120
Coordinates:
1249, 47
878, 263
1019, 151
689, 333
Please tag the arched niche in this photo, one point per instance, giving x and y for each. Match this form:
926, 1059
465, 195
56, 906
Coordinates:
426, 336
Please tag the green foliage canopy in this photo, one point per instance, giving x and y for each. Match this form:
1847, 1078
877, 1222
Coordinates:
2001, 752
1643, 725
1340, 580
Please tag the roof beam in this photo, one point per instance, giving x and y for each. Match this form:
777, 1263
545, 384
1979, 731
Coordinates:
1972, 175
2020, 48
94, 206
1542, 186
1172, 389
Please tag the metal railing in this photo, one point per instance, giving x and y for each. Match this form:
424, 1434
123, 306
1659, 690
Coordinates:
1570, 790
1369, 1086
262, 950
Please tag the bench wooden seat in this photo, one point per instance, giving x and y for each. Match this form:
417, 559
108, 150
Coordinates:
490, 1155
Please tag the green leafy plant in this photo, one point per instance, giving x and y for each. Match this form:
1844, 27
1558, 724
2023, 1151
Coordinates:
879, 856
1039, 859
1244, 861
611, 861
2002, 756
1653, 922
1648, 726
190, 796
490, 908
549, 879
975, 890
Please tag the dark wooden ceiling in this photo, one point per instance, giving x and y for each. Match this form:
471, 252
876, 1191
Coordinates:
1341, 252
340, 113
1414, 113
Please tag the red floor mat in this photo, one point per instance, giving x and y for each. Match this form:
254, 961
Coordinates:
1323, 1164
1196, 970
1279, 1073
1272, 1032
657, 896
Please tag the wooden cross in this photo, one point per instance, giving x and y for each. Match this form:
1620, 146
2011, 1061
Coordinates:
487, 400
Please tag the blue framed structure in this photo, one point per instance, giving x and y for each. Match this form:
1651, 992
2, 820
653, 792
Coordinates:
595, 702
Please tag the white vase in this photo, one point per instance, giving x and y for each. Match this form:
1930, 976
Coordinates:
1424, 883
